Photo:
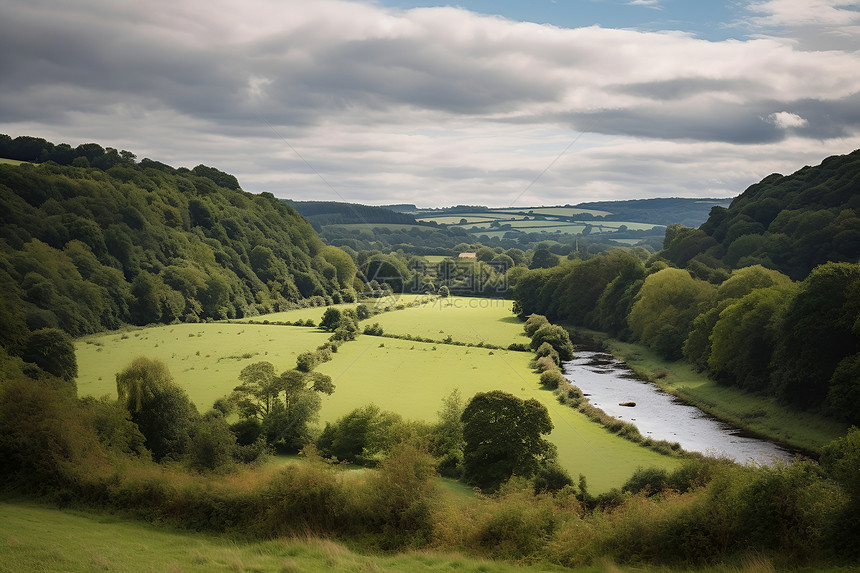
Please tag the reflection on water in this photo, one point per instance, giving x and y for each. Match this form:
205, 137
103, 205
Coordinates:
607, 383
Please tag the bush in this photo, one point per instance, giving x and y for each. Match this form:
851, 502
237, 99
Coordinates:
552, 379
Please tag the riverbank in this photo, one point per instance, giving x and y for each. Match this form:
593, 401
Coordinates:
759, 415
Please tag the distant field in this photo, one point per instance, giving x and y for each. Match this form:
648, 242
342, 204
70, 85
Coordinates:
412, 378
37, 538
205, 359
558, 211
11, 161
367, 228
465, 319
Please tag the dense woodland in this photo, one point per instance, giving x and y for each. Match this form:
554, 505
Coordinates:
85, 249
92, 240
782, 322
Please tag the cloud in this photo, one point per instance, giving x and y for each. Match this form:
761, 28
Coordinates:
786, 120
407, 105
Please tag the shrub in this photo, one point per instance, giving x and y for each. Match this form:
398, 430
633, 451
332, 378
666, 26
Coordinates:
552, 379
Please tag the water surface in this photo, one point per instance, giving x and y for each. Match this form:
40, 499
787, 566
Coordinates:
608, 382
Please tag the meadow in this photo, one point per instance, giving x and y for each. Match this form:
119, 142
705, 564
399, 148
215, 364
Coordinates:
205, 359
465, 319
407, 377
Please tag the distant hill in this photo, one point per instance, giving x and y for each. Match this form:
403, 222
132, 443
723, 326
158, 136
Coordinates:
321, 213
790, 223
90, 248
659, 211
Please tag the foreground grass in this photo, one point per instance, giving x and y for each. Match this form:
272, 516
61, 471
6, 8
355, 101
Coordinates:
412, 378
38, 538
759, 414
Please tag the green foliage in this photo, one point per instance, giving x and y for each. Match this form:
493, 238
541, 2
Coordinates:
556, 337
790, 223
817, 332
664, 310
87, 249
503, 437
533, 322
212, 445
160, 408
52, 351
282, 405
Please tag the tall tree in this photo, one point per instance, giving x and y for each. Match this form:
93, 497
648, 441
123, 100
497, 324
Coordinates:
503, 436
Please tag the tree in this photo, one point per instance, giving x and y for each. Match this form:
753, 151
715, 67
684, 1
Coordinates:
556, 337
448, 435
503, 437
52, 350
259, 388
283, 404
330, 319
160, 408
543, 259
665, 308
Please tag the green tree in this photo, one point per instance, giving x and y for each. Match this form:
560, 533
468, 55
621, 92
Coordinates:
664, 310
160, 408
543, 258
556, 337
448, 435
258, 389
818, 331
503, 436
52, 350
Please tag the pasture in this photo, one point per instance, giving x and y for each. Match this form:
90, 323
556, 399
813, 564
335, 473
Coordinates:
204, 359
412, 378
407, 377
464, 319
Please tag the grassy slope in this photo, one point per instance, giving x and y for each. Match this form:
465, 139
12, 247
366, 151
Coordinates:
759, 414
4, 161
36, 538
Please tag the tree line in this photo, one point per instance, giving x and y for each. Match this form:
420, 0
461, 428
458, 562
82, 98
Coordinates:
83, 249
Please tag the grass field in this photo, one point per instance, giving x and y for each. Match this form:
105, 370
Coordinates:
760, 414
407, 377
205, 359
38, 538
10, 161
412, 378
465, 319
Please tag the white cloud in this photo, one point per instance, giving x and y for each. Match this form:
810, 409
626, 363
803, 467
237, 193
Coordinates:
786, 120
427, 105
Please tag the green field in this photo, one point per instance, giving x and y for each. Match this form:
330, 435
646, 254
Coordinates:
412, 378
760, 414
464, 319
205, 359
557, 211
11, 161
407, 377
38, 538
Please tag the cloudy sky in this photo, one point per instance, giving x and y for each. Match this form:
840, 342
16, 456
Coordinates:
538, 102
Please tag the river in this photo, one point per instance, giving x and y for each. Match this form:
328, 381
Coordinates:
607, 382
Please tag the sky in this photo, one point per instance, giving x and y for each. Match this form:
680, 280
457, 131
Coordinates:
496, 103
